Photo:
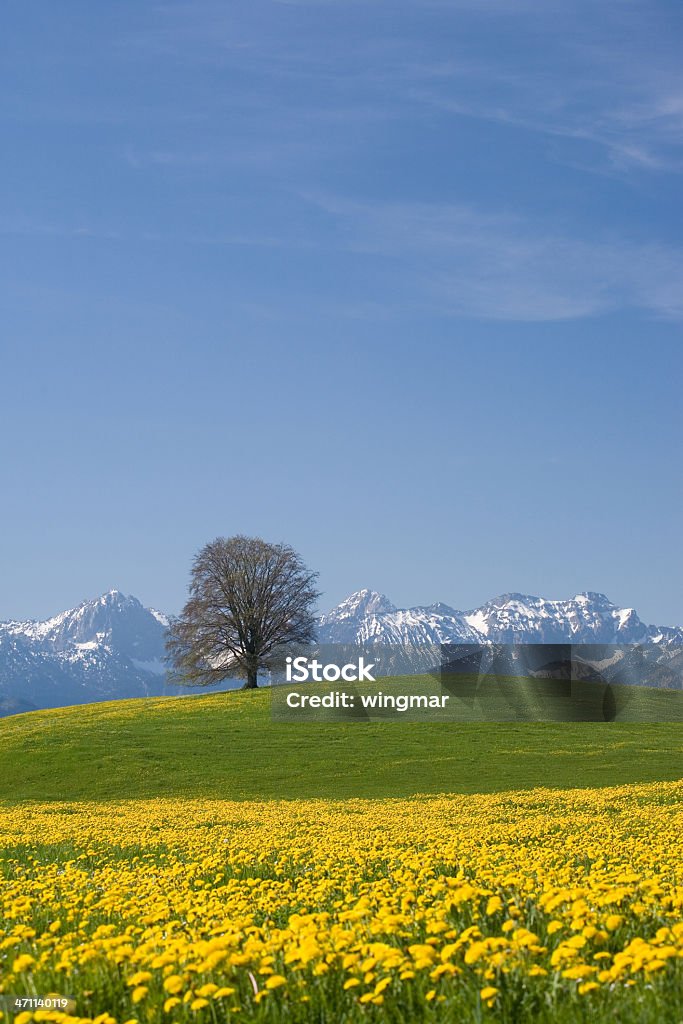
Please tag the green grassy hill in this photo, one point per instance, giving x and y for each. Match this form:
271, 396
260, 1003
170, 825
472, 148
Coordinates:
227, 746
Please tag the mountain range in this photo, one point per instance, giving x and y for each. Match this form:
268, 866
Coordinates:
588, 618
113, 647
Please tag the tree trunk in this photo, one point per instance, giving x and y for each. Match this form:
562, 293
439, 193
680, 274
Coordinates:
252, 681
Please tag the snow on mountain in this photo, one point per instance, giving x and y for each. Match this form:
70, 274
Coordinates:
104, 649
587, 618
113, 647
361, 605
113, 620
369, 617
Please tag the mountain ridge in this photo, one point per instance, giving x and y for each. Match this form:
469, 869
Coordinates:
588, 617
113, 647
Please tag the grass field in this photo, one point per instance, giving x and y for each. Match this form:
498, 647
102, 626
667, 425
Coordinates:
189, 860
225, 745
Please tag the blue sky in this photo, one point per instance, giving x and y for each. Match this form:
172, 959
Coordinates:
399, 283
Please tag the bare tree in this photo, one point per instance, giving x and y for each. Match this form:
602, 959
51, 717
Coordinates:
247, 600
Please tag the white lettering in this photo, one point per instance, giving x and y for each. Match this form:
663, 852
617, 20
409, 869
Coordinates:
364, 671
299, 665
300, 670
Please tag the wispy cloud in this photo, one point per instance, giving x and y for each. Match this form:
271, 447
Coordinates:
260, 124
463, 262
604, 76
436, 258
643, 135
569, 71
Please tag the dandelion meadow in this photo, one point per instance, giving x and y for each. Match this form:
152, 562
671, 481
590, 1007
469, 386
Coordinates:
539, 905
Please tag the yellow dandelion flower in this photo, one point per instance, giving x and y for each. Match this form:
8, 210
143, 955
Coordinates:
22, 963
275, 981
493, 905
138, 979
207, 990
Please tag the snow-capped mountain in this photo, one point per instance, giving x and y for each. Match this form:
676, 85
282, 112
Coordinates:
369, 617
588, 618
104, 649
123, 621
113, 647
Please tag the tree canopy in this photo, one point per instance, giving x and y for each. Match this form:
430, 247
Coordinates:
248, 600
